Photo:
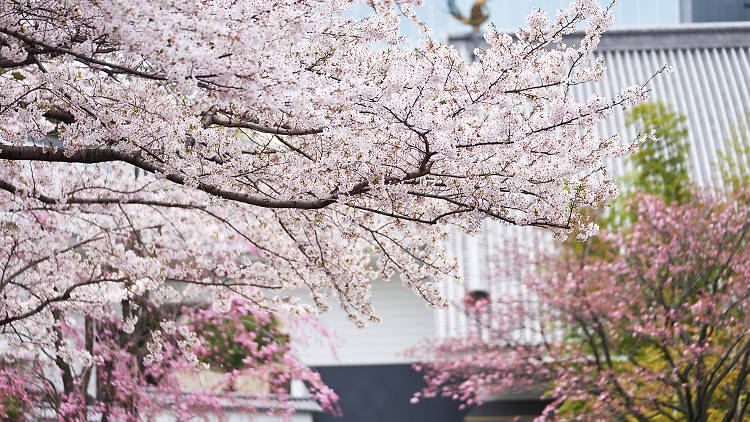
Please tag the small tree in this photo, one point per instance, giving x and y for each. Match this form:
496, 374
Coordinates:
660, 164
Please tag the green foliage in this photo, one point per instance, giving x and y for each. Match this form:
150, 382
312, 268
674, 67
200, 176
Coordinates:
660, 165
229, 343
12, 409
734, 164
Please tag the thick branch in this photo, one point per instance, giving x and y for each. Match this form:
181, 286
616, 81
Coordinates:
90, 156
62, 297
245, 124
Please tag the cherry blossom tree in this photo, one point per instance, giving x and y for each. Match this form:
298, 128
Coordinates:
658, 329
252, 149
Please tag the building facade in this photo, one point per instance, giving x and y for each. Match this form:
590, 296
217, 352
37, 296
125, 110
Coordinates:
367, 367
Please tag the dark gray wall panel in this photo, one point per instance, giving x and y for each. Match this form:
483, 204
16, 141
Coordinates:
381, 393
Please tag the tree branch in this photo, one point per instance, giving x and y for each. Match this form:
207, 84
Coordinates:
93, 155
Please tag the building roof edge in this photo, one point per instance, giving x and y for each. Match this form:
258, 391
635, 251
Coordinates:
694, 35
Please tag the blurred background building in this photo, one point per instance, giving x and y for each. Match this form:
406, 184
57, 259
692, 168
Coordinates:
714, 10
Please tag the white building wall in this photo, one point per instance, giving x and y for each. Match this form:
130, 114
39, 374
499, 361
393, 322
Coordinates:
406, 320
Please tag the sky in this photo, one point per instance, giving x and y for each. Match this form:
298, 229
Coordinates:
511, 14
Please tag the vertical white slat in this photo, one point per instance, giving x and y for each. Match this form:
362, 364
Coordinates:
716, 118
696, 112
728, 112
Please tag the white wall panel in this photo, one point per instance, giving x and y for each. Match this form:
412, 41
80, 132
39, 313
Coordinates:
406, 319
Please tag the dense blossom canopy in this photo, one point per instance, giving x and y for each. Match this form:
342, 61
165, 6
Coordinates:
223, 149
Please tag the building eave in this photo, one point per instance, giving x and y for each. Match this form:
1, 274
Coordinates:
694, 35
